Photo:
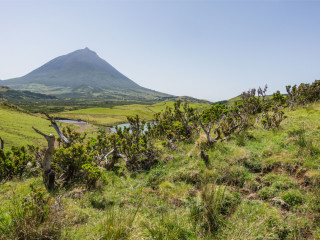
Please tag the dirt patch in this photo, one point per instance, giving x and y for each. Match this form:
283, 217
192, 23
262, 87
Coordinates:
82, 126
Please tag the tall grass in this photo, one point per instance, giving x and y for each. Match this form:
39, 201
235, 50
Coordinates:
35, 216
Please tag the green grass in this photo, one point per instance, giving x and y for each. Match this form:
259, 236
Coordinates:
113, 115
262, 184
16, 128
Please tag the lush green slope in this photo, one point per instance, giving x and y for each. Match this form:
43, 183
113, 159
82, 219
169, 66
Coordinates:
16, 127
117, 114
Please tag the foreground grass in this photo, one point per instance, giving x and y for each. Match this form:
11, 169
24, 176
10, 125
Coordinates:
259, 184
113, 115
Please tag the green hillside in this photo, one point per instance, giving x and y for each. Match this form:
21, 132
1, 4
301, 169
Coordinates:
22, 97
256, 175
269, 180
16, 127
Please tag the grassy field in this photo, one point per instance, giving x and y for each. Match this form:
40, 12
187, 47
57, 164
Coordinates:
16, 127
265, 182
113, 115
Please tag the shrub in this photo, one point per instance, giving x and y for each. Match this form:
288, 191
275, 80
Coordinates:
69, 161
91, 174
155, 177
19, 162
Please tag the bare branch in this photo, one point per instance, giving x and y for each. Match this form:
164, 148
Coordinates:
105, 158
48, 173
37, 131
55, 126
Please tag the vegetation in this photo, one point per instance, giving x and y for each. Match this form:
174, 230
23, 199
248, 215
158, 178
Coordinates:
254, 175
118, 114
15, 127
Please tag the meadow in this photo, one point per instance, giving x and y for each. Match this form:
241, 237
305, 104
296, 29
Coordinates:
16, 127
258, 184
109, 116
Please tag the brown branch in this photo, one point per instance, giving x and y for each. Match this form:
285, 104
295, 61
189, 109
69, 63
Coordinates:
41, 133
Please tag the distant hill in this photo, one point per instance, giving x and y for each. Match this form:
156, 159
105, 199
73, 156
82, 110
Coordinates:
81, 74
11, 95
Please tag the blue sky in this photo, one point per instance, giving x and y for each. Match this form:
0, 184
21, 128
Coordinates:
205, 49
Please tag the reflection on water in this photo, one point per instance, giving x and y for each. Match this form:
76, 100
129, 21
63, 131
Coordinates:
127, 125
113, 129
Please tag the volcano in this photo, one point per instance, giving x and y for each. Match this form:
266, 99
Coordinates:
81, 74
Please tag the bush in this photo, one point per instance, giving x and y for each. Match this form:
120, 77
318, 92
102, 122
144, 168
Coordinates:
19, 162
91, 175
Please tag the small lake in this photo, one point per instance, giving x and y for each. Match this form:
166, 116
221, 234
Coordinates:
127, 125
113, 129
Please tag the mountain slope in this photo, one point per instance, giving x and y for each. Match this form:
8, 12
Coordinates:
81, 74
11, 95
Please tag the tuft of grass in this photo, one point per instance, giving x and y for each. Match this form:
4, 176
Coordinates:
208, 214
35, 216
293, 197
253, 220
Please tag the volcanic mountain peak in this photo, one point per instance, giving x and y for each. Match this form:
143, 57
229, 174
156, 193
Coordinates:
81, 73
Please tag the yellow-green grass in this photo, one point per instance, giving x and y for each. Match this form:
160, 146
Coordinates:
16, 128
157, 204
118, 114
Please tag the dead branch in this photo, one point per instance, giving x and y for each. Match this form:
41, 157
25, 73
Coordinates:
48, 173
207, 132
55, 126
115, 155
